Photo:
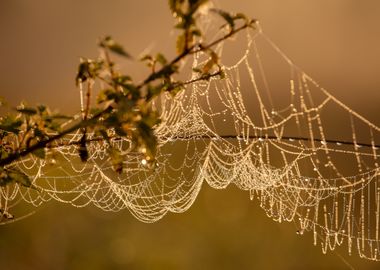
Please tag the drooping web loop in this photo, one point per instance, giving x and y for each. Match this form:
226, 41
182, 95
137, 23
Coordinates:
267, 128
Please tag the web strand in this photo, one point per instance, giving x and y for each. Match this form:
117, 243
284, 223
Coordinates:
285, 149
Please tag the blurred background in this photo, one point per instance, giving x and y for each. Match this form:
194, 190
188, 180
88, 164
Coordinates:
335, 42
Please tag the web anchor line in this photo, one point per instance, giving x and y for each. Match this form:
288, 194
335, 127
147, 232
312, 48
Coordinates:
289, 138
228, 136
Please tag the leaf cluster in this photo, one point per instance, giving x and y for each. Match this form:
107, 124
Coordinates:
123, 106
23, 130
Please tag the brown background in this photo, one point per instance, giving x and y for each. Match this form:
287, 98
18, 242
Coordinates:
336, 42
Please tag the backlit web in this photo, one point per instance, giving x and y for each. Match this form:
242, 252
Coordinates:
287, 141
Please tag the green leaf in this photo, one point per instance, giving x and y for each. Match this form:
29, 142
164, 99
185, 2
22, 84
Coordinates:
172, 5
181, 43
208, 66
222, 74
148, 137
27, 111
38, 133
5, 179
104, 135
225, 15
40, 153
94, 111
61, 116
19, 177
160, 58
120, 131
240, 16
175, 90
196, 32
10, 124
214, 56
146, 58
131, 89
175, 7
214, 59
114, 47
111, 121
41, 108
196, 4
116, 159
122, 79
106, 95
164, 73
197, 70
83, 71
88, 69
83, 152
3, 153
153, 91
54, 126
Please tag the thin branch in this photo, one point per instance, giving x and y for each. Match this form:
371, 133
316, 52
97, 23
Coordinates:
42, 144
192, 50
230, 34
251, 137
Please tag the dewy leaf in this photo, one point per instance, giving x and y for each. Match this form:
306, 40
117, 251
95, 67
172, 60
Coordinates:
110, 44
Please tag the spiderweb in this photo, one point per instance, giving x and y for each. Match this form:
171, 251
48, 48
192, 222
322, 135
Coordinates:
302, 153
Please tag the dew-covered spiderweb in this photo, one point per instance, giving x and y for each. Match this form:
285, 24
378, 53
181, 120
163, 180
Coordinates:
303, 154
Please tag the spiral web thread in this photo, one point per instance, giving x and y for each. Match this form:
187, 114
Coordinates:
282, 148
